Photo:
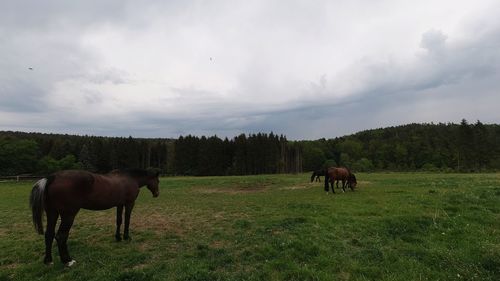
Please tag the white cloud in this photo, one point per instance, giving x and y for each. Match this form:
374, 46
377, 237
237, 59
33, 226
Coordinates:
163, 69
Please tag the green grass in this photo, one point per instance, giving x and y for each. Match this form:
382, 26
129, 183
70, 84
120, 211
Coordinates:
275, 227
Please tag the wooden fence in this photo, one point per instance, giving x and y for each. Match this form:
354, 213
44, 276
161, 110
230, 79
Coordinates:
20, 178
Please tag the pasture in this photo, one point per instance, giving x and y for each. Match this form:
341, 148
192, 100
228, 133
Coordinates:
275, 227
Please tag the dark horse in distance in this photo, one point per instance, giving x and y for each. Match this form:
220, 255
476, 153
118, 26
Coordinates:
342, 174
317, 174
66, 192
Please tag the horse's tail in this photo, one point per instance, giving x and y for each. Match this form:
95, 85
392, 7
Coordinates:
37, 204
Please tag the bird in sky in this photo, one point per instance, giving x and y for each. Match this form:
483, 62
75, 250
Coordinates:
30, 68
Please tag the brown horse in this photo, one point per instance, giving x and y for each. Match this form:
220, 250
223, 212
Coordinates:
66, 192
342, 174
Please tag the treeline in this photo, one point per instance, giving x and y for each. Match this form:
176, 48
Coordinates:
35, 153
243, 155
448, 147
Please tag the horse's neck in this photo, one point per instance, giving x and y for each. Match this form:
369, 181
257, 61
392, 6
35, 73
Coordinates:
141, 181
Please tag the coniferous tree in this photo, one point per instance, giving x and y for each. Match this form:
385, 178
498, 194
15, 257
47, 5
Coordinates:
86, 159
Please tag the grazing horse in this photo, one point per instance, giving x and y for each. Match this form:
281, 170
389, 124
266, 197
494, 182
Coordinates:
66, 192
342, 174
317, 174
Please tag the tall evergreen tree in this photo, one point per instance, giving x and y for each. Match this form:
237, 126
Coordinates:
86, 159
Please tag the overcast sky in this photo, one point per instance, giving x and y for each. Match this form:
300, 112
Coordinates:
306, 69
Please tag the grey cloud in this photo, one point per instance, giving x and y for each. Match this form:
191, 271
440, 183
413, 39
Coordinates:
391, 87
433, 40
474, 58
269, 93
32, 15
25, 97
114, 76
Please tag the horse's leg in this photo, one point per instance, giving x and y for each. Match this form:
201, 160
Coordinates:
62, 238
119, 212
52, 217
343, 185
332, 184
128, 212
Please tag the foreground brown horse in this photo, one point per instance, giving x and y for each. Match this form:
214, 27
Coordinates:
342, 174
65, 193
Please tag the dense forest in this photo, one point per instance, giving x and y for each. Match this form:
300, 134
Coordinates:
449, 147
35, 153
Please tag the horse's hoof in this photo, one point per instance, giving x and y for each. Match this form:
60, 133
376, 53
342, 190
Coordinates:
118, 238
49, 263
70, 263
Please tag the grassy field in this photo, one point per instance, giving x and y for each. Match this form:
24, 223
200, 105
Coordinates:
275, 227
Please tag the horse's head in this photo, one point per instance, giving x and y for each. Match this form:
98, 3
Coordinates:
153, 182
352, 181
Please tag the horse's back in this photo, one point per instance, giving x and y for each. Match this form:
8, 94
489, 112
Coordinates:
343, 172
111, 190
74, 189
338, 173
82, 179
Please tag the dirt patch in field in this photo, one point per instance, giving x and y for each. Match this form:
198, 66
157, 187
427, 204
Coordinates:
295, 187
160, 224
218, 244
344, 275
157, 222
96, 218
232, 190
10, 266
139, 266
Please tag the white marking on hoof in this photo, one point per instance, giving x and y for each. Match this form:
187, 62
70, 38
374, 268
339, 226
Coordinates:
70, 263
49, 264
